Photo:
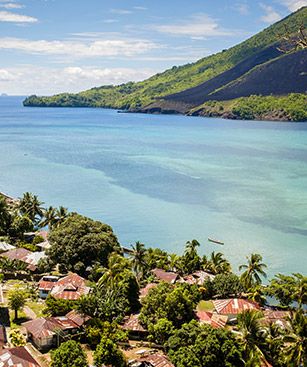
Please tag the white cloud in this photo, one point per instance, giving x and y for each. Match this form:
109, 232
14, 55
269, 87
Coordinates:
80, 49
242, 8
199, 25
271, 15
6, 76
294, 5
139, 8
6, 16
121, 11
23, 81
11, 6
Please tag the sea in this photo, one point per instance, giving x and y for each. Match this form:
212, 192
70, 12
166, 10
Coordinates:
166, 179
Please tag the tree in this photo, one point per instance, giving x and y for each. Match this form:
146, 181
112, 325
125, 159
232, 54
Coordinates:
190, 261
5, 217
196, 345
161, 331
17, 339
30, 205
296, 340
49, 217
58, 307
252, 337
69, 354
293, 43
80, 242
114, 270
254, 270
138, 260
17, 299
165, 301
107, 353
226, 285
216, 264
288, 289
20, 225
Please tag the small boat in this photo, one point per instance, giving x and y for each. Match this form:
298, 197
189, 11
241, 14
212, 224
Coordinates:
215, 241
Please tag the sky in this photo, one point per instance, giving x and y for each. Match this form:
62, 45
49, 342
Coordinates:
53, 46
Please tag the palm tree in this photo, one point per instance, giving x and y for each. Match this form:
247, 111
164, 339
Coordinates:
274, 344
296, 340
173, 261
257, 294
49, 217
62, 214
138, 259
254, 271
252, 337
116, 265
30, 205
190, 248
300, 291
216, 264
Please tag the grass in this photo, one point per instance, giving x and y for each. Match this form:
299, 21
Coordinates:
16, 323
205, 306
37, 307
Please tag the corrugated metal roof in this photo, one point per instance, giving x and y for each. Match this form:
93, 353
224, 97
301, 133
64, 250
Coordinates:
166, 276
17, 357
132, 323
234, 306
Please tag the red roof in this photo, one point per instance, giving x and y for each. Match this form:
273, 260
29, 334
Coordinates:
71, 287
234, 306
166, 276
144, 291
157, 360
213, 319
276, 316
17, 357
77, 318
132, 324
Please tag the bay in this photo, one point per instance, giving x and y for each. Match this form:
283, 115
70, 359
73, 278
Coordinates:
166, 179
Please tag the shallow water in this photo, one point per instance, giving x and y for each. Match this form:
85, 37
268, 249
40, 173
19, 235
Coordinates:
164, 180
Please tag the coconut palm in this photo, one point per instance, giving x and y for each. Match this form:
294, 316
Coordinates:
138, 259
62, 214
257, 294
191, 248
116, 265
173, 261
30, 205
49, 217
274, 344
254, 270
296, 340
252, 337
216, 264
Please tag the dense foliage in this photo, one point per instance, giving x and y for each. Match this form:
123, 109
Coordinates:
79, 242
69, 354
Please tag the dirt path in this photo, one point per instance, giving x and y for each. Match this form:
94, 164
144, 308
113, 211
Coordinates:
30, 313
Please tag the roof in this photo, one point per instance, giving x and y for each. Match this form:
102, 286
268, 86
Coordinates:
71, 287
144, 291
132, 323
44, 245
213, 319
6, 246
47, 282
276, 316
24, 255
234, 306
77, 317
166, 276
157, 360
17, 357
44, 327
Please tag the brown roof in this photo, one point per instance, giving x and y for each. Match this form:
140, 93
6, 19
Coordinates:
43, 327
276, 316
71, 287
144, 291
24, 255
77, 318
166, 276
132, 324
157, 360
234, 306
17, 357
213, 319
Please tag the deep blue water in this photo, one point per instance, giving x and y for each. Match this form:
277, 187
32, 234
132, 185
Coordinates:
164, 180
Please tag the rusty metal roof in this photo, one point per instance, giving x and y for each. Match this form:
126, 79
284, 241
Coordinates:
17, 357
234, 306
166, 276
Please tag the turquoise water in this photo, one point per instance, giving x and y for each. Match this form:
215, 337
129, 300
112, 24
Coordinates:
164, 180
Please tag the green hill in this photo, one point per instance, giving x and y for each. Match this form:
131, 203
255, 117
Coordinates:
215, 72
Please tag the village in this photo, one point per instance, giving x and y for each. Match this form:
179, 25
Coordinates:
33, 328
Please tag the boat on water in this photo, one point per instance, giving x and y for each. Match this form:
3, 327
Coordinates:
215, 241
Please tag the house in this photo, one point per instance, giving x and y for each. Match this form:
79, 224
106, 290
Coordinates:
152, 360
212, 318
17, 357
198, 277
45, 285
71, 287
233, 306
78, 318
133, 326
4, 247
278, 317
165, 276
26, 256
46, 332
144, 291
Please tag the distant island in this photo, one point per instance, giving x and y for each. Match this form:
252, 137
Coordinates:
261, 78
3, 95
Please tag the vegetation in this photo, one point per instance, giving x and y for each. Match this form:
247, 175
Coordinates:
107, 353
17, 299
16, 338
138, 95
69, 354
